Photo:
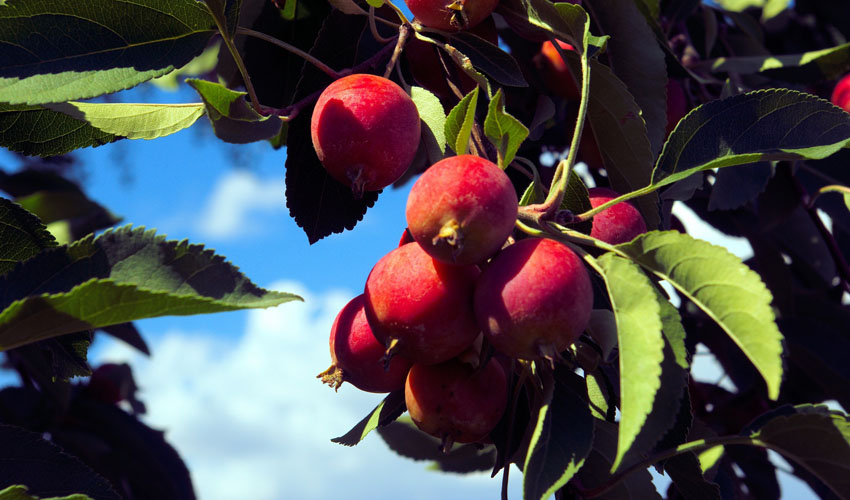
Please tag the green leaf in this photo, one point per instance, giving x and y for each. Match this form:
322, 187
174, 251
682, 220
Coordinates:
122, 275
132, 120
459, 123
814, 437
723, 287
431, 112
688, 478
22, 235
620, 132
34, 130
562, 439
539, 19
386, 412
489, 58
824, 64
51, 206
60, 51
637, 60
19, 492
636, 485
204, 63
765, 125
375, 3
233, 118
405, 439
641, 345
504, 131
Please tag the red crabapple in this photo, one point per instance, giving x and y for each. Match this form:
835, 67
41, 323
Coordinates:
462, 209
419, 307
451, 15
534, 299
365, 130
455, 402
617, 224
841, 93
357, 357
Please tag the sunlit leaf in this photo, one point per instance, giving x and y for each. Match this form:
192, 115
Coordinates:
34, 130
133, 120
504, 131
459, 123
432, 114
824, 64
232, 116
387, 411
722, 286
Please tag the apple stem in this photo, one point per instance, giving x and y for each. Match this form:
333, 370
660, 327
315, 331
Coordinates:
392, 350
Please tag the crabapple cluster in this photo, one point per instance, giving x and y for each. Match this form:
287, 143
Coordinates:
457, 276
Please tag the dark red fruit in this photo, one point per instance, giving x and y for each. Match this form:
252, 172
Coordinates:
454, 402
451, 15
419, 307
617, 224
462, 209
677, 104
358, 357
534, 299
365, 130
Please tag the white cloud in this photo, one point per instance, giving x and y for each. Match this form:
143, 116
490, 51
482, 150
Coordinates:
251, 420
237, 196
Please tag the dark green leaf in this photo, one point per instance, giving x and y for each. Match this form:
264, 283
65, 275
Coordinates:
233, 119
34, 130
562, 439
120, 276
22, 235
814, 437
386, 412
620, 132
637, 60
641, 342
688, 478
505, 132
459, 123
404, 438
489, 58
734, 187
765, 125
824, 64
540, 19
45, 469
722, 286
60, 51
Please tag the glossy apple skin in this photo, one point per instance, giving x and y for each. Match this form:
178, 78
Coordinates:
454, 402
357, 356
422, 304
438, 14
533, 297
620, 223
556, 74
365, 131
469, 197
841, 93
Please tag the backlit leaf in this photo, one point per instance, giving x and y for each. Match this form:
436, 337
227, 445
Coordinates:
824, 64
432, 114
133, 120
723, 287
459, 123
387, 411
22, 235
36, 131
504, 131
233, 118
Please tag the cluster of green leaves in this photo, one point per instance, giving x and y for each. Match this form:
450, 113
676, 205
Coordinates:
636, 358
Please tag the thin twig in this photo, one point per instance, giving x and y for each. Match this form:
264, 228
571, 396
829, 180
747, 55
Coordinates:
295, 50
401, 40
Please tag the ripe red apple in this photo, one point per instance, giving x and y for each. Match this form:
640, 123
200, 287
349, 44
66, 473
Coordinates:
365, 130
419, 307
534, 299
455, 402
451, 15
841, 93
462, 209
357, 356
616, 224
677, 104
556, 74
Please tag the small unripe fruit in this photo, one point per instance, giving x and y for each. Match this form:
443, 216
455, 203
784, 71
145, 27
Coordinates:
616, 224
451, 15
556, 74
365, 130
358, 357
534, 299
462, 209
841, 93
419, 307
454, 402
